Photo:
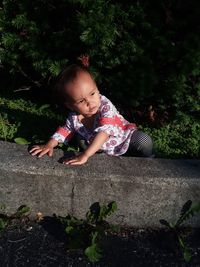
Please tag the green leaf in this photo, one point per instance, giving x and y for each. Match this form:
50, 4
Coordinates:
112, 206
93, 213
69, 229
23, 210
189, 214
107, 210
186, 207
94, 237
20, 21
45, 106
195, 208
185, 250
21, 141
93, 253
73, 149
55, 68
97, 213
3, 223
187, 255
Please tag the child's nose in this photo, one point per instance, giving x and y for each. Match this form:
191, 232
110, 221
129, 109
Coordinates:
88, 102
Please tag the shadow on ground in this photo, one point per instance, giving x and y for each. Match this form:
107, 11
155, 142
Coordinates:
44, 244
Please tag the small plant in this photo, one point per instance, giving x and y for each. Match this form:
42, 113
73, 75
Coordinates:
188, 211
87, 233
21, 141
5, 220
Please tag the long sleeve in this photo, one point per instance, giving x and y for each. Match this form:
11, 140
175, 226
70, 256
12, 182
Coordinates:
64, 133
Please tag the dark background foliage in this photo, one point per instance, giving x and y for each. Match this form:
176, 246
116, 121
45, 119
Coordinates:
141, 52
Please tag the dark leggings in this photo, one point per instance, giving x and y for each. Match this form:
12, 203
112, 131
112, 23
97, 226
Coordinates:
141, 144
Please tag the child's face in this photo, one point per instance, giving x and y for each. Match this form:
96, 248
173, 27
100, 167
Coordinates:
84, 95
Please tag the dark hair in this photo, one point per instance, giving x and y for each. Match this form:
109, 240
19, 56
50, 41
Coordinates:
66, 76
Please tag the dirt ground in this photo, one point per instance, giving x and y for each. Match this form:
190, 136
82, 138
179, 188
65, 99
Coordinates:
44, 244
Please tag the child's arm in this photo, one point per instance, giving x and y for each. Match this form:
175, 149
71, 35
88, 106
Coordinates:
41, 150
96, 144
62, 134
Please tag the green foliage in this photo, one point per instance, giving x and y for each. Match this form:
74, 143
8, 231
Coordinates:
187, 212
98, 213
3, 223
93, 252
142, 52
185, 250
28, 40
22, 212
21, 141
87, 233
18, 120
179, 138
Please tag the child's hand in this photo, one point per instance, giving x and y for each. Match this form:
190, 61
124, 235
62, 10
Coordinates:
78, 160
41, 150
96, 144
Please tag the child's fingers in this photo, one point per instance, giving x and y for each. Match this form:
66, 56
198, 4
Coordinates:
75, 161
69, 161
34, 148
50, 153
40, 151
43, 152
36, 151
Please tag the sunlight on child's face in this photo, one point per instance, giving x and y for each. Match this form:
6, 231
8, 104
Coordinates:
84, 95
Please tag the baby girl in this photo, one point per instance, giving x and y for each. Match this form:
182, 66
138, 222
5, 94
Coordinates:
95, 120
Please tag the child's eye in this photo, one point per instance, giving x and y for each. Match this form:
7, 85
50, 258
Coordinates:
93, 93
81, 101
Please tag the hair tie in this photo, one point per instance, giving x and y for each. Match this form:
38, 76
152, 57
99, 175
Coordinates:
84, 59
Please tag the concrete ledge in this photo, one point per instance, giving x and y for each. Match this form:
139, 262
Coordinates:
146, 190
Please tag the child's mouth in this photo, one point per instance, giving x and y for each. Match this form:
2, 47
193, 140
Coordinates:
92, 109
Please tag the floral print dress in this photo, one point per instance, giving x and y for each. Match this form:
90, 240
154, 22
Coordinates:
107, 120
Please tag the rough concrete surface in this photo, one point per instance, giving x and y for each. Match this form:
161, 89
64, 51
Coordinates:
145, 189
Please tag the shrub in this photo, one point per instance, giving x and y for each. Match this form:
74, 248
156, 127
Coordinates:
178, 139
142, 52
22, 118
